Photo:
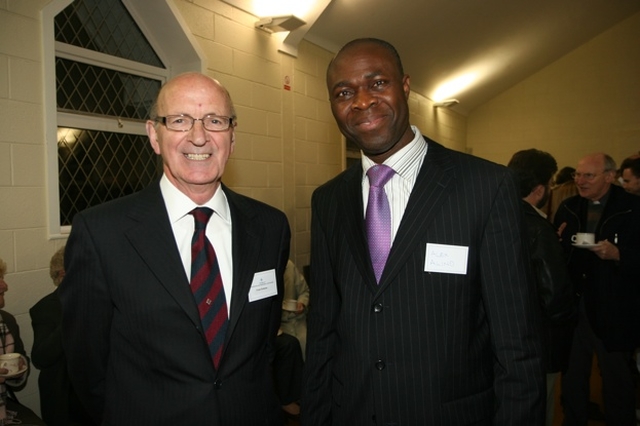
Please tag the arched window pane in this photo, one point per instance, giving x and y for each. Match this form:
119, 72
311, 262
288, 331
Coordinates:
99, 160
104, 26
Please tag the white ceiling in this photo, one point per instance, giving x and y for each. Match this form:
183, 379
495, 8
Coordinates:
500, 42
489, 44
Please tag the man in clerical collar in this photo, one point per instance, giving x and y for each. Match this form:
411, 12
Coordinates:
606, 275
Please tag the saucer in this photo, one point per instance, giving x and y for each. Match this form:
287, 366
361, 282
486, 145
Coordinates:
585, 245
12, 375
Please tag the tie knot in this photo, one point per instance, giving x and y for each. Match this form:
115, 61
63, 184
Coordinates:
201, 216
379, 175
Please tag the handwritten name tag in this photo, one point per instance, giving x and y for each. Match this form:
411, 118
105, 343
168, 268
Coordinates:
264, 285
446, 259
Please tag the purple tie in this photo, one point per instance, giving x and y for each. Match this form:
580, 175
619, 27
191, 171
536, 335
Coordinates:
378, 218
206, 285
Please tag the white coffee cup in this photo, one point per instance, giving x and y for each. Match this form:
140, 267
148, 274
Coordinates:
584, 238
11, 362
290, 305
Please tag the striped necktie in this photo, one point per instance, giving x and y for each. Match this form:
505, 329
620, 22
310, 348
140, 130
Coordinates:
206, 285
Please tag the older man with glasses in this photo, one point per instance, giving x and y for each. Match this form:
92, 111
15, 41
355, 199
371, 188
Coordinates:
606, 276
172, 296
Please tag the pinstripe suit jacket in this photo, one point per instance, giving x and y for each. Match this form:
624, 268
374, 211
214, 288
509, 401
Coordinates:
131, 328
424, 348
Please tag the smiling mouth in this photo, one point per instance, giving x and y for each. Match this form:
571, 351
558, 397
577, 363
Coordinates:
197, 157
370, 121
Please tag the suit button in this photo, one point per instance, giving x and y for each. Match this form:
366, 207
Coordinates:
377, 308
380, 365
217, 384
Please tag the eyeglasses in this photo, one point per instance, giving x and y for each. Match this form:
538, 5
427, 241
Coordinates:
587, 176
184, 123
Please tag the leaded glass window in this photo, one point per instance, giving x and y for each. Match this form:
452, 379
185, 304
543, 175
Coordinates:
104, 26
95, 167
98, 87
90, 89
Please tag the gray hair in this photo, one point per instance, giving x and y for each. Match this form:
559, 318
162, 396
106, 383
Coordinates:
609, 163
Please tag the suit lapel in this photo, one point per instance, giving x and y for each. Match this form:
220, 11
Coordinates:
152, 237
246, 248
352, 209
431, 189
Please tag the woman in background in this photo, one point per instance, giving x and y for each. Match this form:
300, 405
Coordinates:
10, 341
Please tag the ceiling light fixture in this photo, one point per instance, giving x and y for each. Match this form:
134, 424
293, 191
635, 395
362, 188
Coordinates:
276, 24
446, 103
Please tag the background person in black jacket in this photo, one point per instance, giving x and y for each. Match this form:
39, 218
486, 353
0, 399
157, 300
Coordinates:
606, 274
534, 170
59, 404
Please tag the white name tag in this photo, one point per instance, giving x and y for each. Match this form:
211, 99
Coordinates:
264, 285
446, 259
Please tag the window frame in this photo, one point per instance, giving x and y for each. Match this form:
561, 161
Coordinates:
180, 53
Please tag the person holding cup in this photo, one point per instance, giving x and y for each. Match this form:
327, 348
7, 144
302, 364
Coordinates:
14, 364
584, 238
605, 272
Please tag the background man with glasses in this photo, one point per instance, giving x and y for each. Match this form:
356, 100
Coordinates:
607, 276
140, 347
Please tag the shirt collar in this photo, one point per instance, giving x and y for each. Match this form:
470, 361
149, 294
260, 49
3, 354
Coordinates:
179, 205
402, 160
540, 212
603, 200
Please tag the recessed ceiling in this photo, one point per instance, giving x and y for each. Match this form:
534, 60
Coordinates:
487, 45
469, 50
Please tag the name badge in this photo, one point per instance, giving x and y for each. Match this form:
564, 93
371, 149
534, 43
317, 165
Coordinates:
264, 285
447, 259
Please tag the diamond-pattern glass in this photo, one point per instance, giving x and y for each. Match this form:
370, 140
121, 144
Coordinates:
104, 26
96, 166
90, 89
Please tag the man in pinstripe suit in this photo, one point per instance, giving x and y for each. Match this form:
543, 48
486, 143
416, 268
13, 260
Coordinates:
448, 335
131, 327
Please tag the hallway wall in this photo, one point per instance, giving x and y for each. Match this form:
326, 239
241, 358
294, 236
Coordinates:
587, 101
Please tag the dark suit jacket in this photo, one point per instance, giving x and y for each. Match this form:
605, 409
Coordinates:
556, 294
609, 289
131, 329
424, 348
59, 404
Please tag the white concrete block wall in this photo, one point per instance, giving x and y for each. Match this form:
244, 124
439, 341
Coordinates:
24, 244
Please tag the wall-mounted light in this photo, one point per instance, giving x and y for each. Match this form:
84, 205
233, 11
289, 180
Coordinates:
446, 103
275, 24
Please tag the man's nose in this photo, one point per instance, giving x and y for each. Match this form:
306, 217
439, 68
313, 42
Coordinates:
198, 133
363, 99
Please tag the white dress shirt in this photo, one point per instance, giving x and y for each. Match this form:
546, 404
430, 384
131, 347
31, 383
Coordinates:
406, 163
218, 230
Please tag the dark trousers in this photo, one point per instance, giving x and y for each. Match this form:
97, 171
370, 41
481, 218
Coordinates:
618, 386
287, 368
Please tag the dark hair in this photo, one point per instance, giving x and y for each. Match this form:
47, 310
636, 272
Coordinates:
564, 175
633, 164
532, 167
377, 41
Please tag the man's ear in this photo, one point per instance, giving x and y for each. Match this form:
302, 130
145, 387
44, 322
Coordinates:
153, 136
610, 176
538, 192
